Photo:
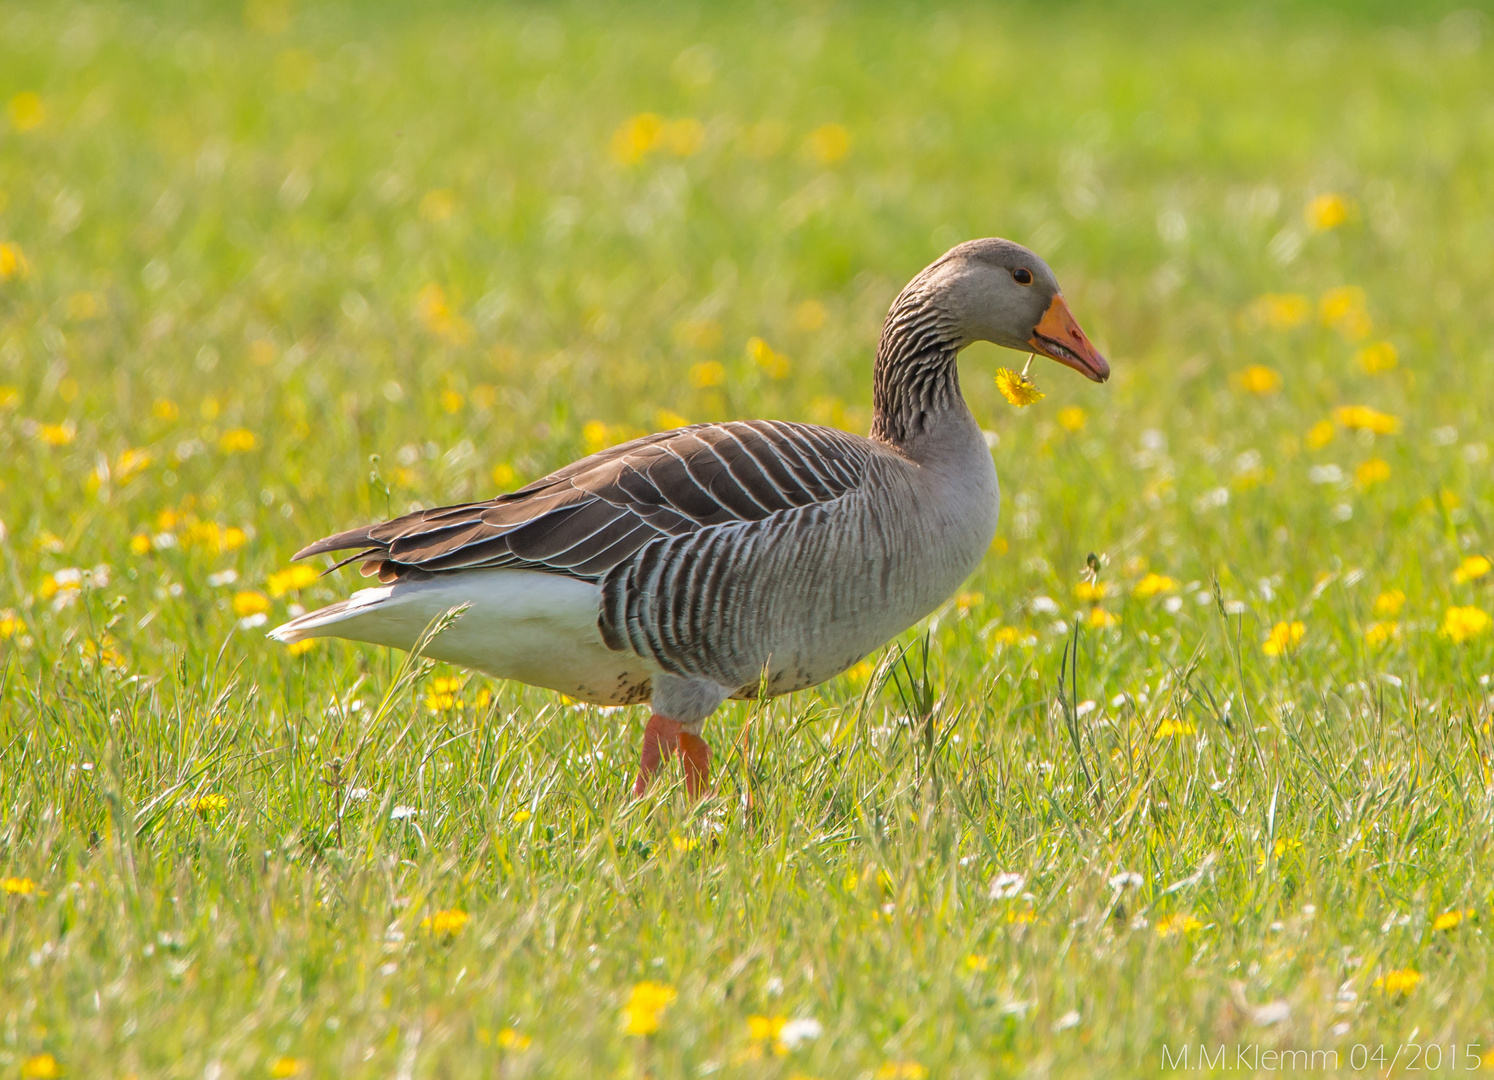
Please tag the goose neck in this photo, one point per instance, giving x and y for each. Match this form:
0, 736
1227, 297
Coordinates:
916, 381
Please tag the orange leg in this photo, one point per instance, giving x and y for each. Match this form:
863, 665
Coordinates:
663, 737
659, 738
697, 758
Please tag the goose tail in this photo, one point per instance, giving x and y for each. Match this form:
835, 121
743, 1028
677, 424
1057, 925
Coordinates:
323, 621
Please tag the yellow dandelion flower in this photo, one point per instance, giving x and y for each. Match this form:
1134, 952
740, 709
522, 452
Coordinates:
51, 586
103, 652
165, 409
17, 886
1337, 302
27, 113
518, 817
766, 357
684, 843
1377, 358
503, 475
290, 579
967, 600
595, 436
1010, 635
1017, 388
10, 624
1364, 418
284, 1067
1372, 472
509, 1039
765, 1028
208, 535
1471, 569
828, 143
1320, 434
56, 434
1279, 848
1401, 981
10, 397
706, 374
211, 803
1091, 592
1072, 418
902, 1070
130, 463
1344, 309
635, 137
1379, 634
237, 441
1280, 311
1462, 623
250, 603
1153, 584
1171, 729
301, 648
1450, 920
436, 315
1390, 602
1175, 925
452, 402
40, 1067
1327, 211
668, 420
450, 922
12, 262
1099, 618
1260, 379
1285, 637
645, 1008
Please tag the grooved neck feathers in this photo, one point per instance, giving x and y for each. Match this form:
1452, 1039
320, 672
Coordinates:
916, 377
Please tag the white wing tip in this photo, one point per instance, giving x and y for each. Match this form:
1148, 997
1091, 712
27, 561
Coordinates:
286, 633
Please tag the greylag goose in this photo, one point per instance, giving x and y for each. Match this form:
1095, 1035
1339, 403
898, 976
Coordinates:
708, 562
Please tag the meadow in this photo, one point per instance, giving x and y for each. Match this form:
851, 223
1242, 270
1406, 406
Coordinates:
1201, 756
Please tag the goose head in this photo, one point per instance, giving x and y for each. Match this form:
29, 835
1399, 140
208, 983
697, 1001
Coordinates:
997, 291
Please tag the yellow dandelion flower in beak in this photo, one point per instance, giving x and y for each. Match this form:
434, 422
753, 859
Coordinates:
1016, 387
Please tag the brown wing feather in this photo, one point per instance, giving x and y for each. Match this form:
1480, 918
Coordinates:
592, 515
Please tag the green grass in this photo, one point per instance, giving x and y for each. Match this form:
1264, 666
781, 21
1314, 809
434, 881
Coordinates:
355, 230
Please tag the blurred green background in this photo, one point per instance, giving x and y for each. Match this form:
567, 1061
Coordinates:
244, 249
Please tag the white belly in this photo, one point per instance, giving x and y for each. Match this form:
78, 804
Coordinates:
537, 628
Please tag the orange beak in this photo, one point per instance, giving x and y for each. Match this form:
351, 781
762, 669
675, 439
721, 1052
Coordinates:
1058, 337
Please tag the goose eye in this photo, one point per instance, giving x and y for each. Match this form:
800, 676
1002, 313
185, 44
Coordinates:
1022, 276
